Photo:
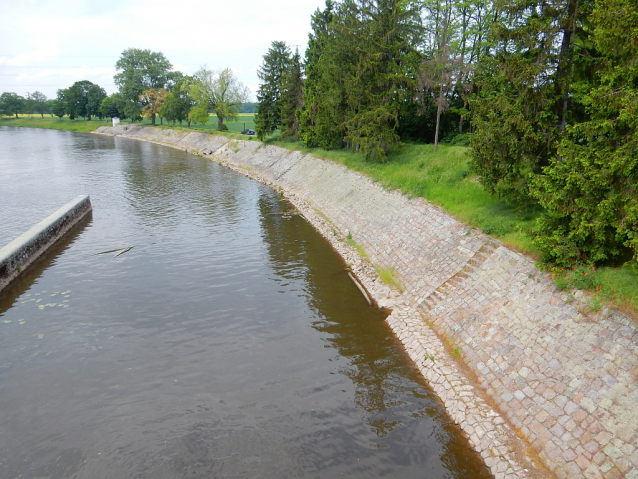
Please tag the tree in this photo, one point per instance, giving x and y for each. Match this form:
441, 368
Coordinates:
140, 70
360, 67
271, 73
524, 101
384, 41
179, 102
58, 107
219, 91
321, 117
291, 98
589, 190
38, 103
83, 98
94, 97
153, 100
11, 104
108, 108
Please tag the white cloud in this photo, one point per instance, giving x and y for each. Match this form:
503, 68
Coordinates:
40, 40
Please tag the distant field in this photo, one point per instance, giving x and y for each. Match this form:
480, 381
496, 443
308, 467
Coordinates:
36, 121
245, 120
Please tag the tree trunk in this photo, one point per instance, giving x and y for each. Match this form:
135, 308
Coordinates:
439, 109
565, 65
220, 122
153, 119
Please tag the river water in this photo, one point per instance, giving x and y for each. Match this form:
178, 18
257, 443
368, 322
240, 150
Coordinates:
228, 343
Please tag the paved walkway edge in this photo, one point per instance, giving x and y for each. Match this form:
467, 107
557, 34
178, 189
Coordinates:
542, 385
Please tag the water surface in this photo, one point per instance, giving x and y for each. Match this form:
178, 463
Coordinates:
229, 342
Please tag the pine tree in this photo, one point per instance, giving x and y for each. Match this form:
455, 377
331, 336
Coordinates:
329, 62
590, 191
384, 41
276, 62
291, 98
523, 104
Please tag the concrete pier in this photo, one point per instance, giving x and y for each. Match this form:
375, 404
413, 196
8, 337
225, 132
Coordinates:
16, 257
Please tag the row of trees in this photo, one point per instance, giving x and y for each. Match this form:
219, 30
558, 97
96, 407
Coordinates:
556, 121
14, 104
147, 87
377, 72
549, 90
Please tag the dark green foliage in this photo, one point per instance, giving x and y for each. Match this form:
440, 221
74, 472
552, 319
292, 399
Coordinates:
57, 107
248, 108
523, 103
140, 70
590, 189
291, 98
82, 99
386, 60
359, 66
271, 76
11, 104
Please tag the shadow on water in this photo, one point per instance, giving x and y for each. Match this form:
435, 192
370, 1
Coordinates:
30, 276
389, 389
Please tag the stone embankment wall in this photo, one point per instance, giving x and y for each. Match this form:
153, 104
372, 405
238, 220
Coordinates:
26, 248
537, 380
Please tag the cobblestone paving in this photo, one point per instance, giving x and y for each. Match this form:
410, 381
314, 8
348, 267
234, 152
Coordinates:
539, 380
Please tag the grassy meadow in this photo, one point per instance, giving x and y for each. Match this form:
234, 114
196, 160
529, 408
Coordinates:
81, 125
444, 178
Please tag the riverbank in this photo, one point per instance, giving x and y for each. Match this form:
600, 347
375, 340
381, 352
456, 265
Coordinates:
445, 179
533, 376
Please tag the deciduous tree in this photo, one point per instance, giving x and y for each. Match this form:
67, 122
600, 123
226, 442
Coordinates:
11, 104
153, 100
140, 70
38, 103
219, 91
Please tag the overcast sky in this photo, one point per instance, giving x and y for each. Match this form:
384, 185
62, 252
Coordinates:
50, 44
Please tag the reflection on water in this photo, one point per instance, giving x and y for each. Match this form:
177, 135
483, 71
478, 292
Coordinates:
229, 342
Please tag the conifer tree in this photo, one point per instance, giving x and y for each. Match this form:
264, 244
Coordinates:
384, 41
590, 190
276, 61
291, 98
523, 103
310, 116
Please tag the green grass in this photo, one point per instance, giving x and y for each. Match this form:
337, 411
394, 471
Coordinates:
245, 121
444, 178
81, 125
34, 121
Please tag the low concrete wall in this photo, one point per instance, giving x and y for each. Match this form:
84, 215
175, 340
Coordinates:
542, 385
26, 248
